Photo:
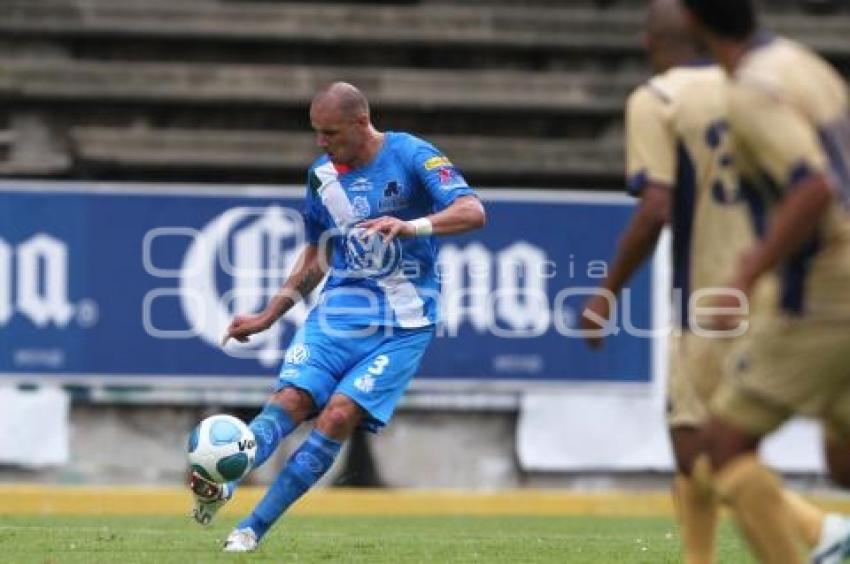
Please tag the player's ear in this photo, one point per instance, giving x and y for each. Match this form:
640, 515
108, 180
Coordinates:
362, 120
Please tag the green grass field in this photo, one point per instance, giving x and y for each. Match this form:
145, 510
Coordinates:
432, 539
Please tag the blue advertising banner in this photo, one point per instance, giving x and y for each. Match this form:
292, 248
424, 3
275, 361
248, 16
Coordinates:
128, 283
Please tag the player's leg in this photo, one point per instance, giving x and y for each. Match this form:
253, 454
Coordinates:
291, 404
366, 395
694, 372
282, 414
285, 410
305, 467
695, 502
783, 367
832, 538
752, 492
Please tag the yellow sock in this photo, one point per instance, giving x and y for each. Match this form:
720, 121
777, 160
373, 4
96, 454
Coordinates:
754, 496
807, 519
696, 511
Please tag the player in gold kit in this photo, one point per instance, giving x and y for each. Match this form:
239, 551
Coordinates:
788, 119
679, 163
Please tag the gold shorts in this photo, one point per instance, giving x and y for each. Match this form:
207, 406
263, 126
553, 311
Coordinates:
695, 370
783, 367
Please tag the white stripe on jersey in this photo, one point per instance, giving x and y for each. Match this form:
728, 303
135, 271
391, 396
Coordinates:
403, 299
333, 196
401, 295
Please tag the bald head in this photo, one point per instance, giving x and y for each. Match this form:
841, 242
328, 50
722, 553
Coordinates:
344, 98
668, 36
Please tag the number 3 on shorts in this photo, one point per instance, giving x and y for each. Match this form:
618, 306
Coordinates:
377, 367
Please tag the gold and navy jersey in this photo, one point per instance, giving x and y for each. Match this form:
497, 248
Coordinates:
677, 136
789, 117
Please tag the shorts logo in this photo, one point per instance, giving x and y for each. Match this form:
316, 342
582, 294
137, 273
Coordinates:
436, 162
365, 383
297, 354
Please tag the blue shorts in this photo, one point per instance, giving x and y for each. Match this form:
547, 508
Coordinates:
373, 370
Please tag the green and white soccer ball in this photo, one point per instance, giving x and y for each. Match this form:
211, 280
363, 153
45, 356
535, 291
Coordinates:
222, 448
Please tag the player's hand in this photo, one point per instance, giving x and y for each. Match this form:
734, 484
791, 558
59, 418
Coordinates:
733, 304
727, 310
243, 326
389, 227
594, 317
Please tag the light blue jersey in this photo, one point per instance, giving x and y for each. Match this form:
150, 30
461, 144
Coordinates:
371, 283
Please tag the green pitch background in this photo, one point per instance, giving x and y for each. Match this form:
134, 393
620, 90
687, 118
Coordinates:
430, 539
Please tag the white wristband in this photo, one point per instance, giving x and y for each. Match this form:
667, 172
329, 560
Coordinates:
422, 226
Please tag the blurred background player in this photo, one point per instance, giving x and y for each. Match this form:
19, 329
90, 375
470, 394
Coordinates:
788, 116
678, 162
352, 360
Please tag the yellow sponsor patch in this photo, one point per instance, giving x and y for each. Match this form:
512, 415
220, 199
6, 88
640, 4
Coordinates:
437, 162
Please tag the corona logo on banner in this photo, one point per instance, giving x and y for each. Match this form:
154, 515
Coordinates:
235, 264
34, 283
96, 284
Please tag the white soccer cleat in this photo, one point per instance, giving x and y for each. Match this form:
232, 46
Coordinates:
209, 497
834, 544
241, 540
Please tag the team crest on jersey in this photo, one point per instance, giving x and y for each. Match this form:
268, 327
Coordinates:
360, 207
394, 198
297, 354
362, 184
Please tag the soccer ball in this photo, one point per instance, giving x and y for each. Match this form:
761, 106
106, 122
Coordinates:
222, 448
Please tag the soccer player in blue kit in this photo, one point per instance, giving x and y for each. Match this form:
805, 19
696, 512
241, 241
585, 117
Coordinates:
375, 200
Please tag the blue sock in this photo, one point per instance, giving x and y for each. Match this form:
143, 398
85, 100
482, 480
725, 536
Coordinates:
307, 465
270, 426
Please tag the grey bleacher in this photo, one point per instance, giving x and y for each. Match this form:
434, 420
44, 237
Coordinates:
514, 92
200, 83
143, 147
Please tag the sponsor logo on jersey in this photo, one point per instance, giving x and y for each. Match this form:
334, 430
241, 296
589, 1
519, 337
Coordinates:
394, 197
369, 256
362, 184
437, 162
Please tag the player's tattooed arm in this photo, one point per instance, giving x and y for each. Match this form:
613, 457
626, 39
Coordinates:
309, 271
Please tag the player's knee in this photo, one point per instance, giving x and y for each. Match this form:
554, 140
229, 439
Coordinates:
297, 403
339, 419
725, 442
687, 444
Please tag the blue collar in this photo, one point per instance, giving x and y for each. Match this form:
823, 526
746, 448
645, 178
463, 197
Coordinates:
760, 39
698, 62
